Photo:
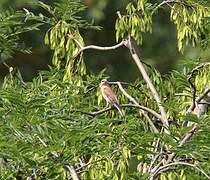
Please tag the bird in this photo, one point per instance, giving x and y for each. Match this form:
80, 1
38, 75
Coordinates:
109, 95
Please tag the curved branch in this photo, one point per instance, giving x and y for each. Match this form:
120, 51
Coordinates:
158, 116
95, 113
101, 48
136, 103
126, 94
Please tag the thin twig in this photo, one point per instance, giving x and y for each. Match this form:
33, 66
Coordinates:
155, 159
6, 65
163, 3
183, 94
126, 94
168, 2
42, 142
123, 83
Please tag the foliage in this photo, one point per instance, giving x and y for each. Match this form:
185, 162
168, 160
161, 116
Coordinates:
42, 131
64, 37
191, 20
137, 20
12, 25
45, 126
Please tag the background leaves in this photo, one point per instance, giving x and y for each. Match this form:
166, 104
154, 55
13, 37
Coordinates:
43, 125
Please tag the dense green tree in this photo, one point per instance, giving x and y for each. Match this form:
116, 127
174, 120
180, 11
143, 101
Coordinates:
57, 125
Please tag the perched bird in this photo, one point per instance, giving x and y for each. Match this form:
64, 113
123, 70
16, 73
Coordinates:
109, 95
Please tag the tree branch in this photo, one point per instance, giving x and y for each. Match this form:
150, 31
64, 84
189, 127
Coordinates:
73, 172
195, 105
163, 3
206, 92
191, 76
123, 105
137, 104
152, 88
105, 48
168, 2
149, 83
42, 142
187, 136
145, 76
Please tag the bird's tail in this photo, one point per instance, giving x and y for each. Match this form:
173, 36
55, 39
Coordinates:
117, 106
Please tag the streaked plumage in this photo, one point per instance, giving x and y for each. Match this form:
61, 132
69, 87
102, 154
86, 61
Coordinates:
109, 95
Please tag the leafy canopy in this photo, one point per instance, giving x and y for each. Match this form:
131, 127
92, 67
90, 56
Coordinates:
44, 123
190, 17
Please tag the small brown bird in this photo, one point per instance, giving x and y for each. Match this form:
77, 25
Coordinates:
109, 95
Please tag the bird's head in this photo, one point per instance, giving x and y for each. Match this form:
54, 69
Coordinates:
104, 82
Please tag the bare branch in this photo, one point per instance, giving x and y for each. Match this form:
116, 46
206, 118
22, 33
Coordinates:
73, 172
126, 94
183, 94
136, 103
123, 105
143, 108
155, 159
141, 68
42, 142
123, 83
152, 89
106, 48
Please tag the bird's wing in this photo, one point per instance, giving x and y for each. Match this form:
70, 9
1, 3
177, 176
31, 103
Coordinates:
107, 91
